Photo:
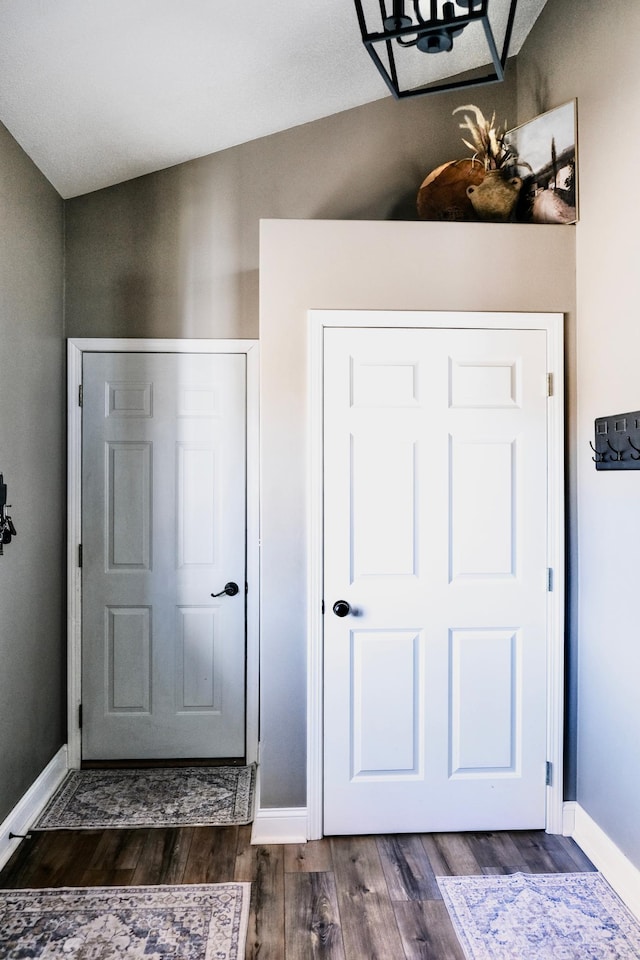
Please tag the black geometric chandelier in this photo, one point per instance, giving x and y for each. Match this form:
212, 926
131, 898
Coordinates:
472, 35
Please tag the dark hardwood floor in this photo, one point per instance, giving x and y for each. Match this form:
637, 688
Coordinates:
340, 898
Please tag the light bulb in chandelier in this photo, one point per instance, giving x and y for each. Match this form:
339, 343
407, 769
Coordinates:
434, 33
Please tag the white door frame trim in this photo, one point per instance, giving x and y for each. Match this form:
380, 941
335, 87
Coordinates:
553, 324
75, 348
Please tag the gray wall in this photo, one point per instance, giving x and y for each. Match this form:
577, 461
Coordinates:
589, 51
175, 254
32, 444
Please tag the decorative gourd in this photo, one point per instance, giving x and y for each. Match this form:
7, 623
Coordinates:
443, 194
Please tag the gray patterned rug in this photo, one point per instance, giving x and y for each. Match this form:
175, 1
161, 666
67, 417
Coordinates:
176, 797
192, 922
576, 916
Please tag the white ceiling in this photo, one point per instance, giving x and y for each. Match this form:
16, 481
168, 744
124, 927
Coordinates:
100, 91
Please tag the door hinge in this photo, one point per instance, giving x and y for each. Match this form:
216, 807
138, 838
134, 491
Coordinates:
80, 716
323, 607
549, 384
80, 395
548, 774
550, 579
79, 554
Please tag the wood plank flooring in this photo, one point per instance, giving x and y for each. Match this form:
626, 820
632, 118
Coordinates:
340, 898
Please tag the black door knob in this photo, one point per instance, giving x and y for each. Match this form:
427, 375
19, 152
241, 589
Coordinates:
230, 590
341, 608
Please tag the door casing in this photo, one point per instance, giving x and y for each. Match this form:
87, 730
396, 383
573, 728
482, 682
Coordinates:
75, 348
553, 324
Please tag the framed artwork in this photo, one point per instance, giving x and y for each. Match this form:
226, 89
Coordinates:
546, 160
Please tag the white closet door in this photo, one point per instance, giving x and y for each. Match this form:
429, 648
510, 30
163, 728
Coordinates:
163, 506
435, 535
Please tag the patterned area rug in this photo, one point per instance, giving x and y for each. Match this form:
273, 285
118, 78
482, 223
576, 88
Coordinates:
573, 916
193, 922
176, 797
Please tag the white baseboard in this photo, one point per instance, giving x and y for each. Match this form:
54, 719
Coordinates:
30, 805
569, 818
280, 825
616, 868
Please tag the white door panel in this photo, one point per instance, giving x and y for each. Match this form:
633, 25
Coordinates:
435, 534
163, 504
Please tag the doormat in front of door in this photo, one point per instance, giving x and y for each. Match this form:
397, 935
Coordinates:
180, 797
576, 916
193, 922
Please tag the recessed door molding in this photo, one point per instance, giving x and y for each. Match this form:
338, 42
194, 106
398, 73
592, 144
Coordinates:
552, 324
75, 349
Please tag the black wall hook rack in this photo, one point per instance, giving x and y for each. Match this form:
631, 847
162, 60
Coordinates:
617, 442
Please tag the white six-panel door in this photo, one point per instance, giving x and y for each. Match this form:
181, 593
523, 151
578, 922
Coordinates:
435, 534
163, 527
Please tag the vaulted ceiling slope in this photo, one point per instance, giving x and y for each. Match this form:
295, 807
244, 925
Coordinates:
101, 91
